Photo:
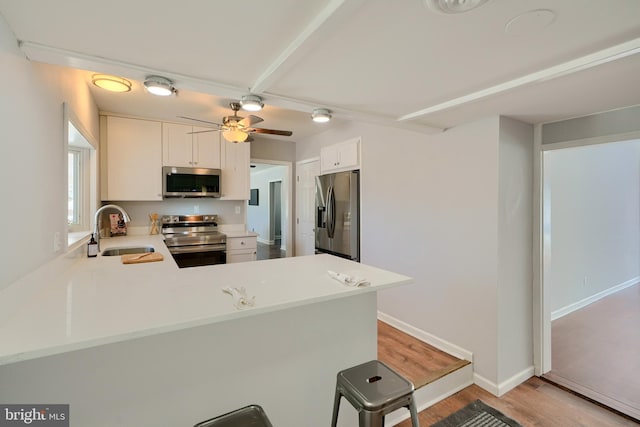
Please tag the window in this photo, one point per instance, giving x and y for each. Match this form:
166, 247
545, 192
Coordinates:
81, 179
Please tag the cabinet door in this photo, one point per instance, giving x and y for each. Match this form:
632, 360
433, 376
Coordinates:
329, 158
349, 154
206, 148
234, 179
177, 147
134, 159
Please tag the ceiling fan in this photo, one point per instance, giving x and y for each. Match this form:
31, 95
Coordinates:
238, 129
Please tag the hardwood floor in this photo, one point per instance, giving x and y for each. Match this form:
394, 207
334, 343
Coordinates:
417, 361
533, 403
596, 351
266, 251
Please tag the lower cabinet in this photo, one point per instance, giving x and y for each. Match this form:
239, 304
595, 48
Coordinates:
240, 249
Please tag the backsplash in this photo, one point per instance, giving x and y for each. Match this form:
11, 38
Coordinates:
225, 209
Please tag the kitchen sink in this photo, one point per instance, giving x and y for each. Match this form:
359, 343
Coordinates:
127, 250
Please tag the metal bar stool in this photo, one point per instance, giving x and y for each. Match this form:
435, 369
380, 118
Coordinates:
375, 390
249, 416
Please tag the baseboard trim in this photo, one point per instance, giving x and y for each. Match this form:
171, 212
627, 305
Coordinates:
434, 392
266, 242
593, 298
505, 386
430, 339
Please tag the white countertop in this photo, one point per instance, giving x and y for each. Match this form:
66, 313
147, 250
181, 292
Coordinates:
95, 301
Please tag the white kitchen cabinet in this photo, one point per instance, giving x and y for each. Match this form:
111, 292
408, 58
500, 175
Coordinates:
340, 157
241, 249
131, 159
182, 148
235, 177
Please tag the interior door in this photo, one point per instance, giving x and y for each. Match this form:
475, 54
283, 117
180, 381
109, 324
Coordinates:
306, 172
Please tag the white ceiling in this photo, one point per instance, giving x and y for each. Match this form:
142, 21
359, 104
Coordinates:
398, 63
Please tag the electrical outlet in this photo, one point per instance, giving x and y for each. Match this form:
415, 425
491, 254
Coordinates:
238, 209
57, 241
196, 209
584, 282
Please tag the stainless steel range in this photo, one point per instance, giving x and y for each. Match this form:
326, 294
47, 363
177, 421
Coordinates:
194, 240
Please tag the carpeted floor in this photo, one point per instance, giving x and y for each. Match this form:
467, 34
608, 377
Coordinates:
596, 351
477, 414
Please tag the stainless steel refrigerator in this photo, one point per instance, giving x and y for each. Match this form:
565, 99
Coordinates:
337, 224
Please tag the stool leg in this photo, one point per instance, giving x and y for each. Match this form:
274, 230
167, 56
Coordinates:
336, 407
414, 413
370, 419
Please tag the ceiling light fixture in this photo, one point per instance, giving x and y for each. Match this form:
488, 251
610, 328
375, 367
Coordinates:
235, 135
454, 6
251, 103
321, 115
160, 86
111, 83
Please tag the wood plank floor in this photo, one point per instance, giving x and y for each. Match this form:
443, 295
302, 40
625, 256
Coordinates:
266, 251
596, 351
416, 360
533, 403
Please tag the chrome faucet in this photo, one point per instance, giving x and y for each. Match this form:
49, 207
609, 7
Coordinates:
96, 232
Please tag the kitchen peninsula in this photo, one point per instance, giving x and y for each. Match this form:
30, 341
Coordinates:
152, 344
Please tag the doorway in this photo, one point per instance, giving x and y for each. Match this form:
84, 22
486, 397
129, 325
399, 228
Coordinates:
275, 212
590, 243
270, 213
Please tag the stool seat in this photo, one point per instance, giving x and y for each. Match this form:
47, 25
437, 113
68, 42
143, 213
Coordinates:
374, 390
249, 416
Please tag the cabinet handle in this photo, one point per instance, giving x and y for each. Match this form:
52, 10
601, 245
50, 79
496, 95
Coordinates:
242, 243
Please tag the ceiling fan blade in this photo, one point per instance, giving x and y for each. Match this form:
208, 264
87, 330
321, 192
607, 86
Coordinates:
250, 121
204, 131
271, 131
198, 120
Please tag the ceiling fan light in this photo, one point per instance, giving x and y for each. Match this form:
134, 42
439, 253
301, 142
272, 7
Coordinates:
251, 103
321, 115
235, 135
111, 83
160, 86
454, 6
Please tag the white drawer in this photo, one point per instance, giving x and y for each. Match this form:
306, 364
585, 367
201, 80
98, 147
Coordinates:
241, 256
241, 243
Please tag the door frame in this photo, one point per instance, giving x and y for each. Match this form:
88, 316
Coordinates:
286, 194
541, 242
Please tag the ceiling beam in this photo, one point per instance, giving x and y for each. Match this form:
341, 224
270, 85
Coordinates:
321, 26
604, 56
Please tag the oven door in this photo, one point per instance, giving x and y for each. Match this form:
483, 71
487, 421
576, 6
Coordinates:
196, 256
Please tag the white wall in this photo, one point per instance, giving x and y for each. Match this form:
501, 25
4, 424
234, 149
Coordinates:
32, 149
515, 246
594, 199
430, 209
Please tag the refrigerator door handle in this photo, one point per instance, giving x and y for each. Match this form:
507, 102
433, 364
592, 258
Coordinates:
331, 212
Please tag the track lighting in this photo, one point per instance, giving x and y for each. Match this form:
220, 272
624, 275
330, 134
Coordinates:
160, 86
251, 103
111, 83
321, 115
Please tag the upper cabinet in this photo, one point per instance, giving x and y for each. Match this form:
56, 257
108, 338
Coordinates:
133, 151
235, 177
131, 159
340, 157
183, 148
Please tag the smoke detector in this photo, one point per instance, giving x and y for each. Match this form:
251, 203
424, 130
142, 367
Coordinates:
454, 6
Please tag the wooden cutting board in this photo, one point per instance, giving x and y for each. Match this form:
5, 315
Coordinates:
140, 258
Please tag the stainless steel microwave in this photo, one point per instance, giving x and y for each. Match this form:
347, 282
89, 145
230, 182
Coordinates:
190, 182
